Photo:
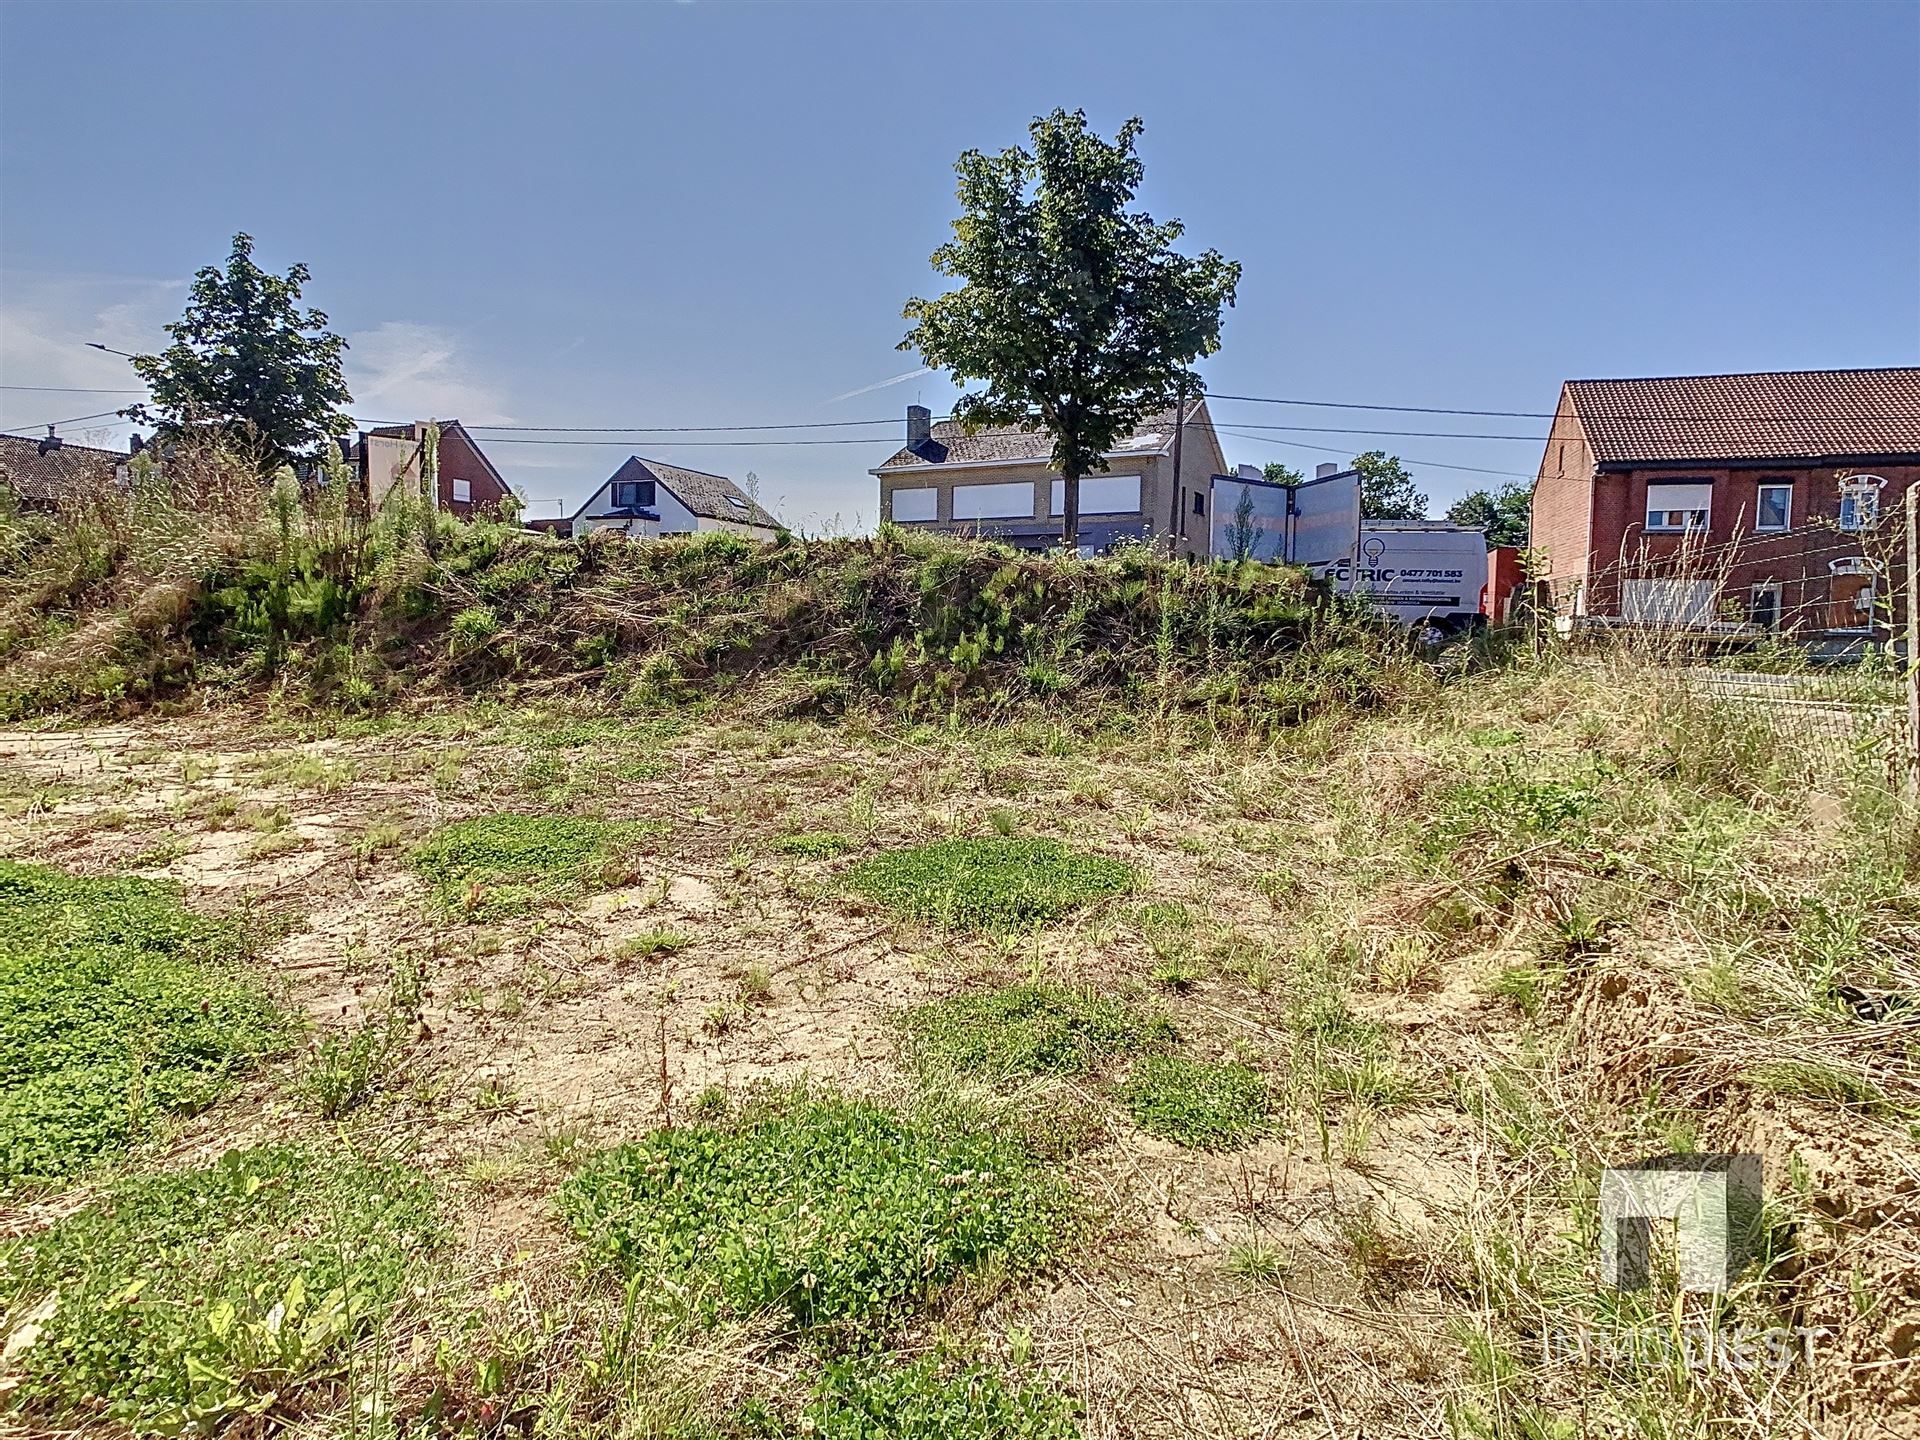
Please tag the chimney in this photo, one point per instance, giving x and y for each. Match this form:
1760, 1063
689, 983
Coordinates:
1324, 469
919, 425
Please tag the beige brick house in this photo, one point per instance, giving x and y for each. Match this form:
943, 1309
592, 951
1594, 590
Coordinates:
1001, 484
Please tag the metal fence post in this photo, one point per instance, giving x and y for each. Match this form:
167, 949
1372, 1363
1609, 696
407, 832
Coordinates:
1913, 639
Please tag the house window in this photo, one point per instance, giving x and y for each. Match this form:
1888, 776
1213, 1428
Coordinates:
1101, 495
1850, 593
1774, 511
1679, 507
632, 493
1199, 502
919, 503
1860, 502
1763, 607
463, 492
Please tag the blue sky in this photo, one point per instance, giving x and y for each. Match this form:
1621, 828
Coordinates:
710, 213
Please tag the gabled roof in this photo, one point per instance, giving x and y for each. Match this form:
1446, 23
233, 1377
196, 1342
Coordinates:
948, 443
49, 477
408, 432
1772, 415
712, 497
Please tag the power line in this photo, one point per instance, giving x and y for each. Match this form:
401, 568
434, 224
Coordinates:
72, 389
70, 420
1417, 434
1407, 459
680, 429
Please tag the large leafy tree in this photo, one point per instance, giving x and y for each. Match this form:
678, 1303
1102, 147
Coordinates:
1387, 491
248, 363
1506, 513
1281, 473
1075, 310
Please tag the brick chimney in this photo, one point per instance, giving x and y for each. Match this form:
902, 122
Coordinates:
919, 425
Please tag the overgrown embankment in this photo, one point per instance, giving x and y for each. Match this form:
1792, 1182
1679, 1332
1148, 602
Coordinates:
125, 600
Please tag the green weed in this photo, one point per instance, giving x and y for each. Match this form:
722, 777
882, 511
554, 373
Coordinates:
1029, 1029
815, 844
834, 1212
179, 1302
1196, 1103
498, 865
989, 884
117, 1005
879, 1398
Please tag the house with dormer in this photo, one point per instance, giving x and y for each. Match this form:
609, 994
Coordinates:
646, 499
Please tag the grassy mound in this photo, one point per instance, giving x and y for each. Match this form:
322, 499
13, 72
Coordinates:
179, 1302
993, 883
874, 1399
1196, 1103
117, 1005
1029, 1029
841, 1214
501, 864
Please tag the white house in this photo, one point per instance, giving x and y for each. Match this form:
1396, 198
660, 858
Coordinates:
648, 499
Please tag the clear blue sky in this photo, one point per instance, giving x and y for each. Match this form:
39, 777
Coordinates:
710, 213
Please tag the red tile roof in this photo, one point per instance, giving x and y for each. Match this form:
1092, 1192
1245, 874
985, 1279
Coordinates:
1774, 415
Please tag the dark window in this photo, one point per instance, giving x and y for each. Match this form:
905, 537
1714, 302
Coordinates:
1199, 503
632, 492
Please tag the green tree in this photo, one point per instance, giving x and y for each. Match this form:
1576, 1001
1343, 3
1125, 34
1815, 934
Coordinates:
1386, 489
1506, 513
1076, 311
1282, 474
248, 363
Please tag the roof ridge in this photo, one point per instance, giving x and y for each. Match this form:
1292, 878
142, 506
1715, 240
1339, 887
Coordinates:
1740, 375
685, 469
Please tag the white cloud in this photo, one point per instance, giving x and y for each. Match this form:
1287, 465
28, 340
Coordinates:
46, 323
401, 370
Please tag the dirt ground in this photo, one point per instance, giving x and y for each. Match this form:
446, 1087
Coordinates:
535, 1033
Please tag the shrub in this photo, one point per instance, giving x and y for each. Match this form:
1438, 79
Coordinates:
993, 883
1196, 1103
834, 1211
814, 844
177, 1302
1029, 1029
117, 1005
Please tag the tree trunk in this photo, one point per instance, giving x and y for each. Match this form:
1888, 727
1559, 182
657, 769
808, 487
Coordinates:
1070, 514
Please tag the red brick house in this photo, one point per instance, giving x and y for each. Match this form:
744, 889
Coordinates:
389, 456
1766, 502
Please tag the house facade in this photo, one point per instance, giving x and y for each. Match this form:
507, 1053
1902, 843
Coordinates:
1763, 502
387, 460
1001, 484
649, 498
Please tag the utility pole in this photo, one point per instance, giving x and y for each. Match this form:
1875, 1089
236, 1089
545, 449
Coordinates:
1178, 520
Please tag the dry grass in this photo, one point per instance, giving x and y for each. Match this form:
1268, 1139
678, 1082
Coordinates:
1545, 922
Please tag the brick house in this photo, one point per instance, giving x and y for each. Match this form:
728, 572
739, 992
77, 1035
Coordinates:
1001, 484
1739, 503
388, 458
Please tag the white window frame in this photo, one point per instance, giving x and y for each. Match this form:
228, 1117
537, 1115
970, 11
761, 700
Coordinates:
1760, 524
1860, 494
1100, 495
917, 498
997, 500
463, 492
1666, 512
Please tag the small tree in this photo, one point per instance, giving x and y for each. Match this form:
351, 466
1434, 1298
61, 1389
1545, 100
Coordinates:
1242, 537
1076, 311
1506, 513
1386, 489
247, 363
